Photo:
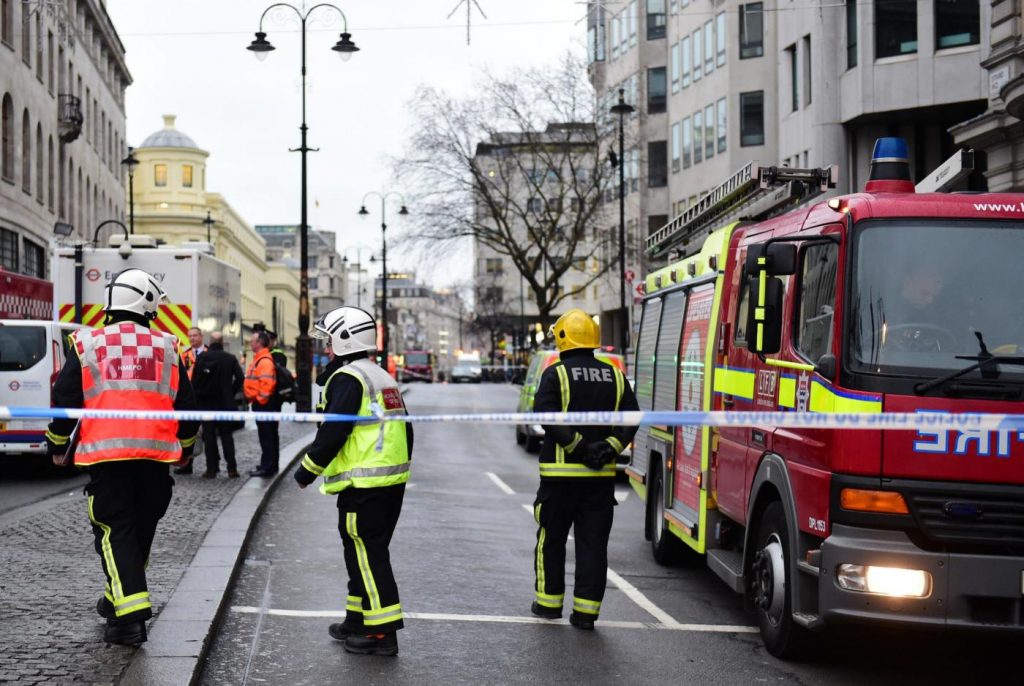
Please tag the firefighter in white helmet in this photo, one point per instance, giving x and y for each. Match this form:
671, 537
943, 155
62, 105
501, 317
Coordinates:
577, 470
367, 466
125, 365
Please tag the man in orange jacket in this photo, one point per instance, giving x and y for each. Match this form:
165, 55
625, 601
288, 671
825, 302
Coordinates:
259, 386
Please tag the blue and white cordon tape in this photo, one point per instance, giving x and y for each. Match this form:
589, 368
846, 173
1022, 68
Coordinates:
906, 421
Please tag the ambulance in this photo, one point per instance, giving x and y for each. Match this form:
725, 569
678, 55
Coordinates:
889, 300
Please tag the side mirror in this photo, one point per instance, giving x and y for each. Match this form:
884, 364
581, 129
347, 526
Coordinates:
779, 259
764, 316
826, 366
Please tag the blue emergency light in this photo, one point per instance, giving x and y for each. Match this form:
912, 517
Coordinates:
890, 165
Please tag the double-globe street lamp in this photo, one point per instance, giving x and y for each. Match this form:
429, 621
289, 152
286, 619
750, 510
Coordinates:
384, 261
358, 264
622, 108
344, 47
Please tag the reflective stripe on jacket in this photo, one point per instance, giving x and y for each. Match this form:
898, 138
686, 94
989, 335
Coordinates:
260, 378
374, 455
127, 366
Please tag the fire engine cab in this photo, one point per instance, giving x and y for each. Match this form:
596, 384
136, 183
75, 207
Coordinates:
889, 300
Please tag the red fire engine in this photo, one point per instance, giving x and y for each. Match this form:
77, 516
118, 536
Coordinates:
883, 301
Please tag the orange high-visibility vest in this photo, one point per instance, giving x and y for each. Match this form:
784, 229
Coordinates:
127, 366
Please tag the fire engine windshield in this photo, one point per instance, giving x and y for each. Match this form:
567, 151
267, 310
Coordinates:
926, 292
417, 359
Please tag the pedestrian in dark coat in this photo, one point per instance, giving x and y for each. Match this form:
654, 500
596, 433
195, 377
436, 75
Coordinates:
216, 378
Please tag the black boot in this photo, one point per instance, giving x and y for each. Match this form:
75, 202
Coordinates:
582, 621
104, 608
546, 612
350, 627
374, 644
129, 634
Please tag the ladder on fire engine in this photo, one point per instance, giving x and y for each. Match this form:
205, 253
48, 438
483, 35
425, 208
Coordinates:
754, 192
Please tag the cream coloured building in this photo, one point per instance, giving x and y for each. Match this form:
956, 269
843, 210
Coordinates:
282, 310
172, 202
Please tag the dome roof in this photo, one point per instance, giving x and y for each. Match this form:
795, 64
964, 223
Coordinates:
168, 137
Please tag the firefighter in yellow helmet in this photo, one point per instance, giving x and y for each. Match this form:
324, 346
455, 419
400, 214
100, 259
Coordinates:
577, 470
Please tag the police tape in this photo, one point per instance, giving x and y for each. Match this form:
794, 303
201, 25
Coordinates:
888, 421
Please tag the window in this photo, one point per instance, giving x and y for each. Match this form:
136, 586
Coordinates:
807, 70
752, 118
39, 43
534, 205
817, 300
655, 222
957, 22
657, 164
656, 90
677, 147
793, 89
632, 23
673, 65
720, 37
26, 39
7, 21
895, 27
722, 123
742, 307
159, 175
26, 153
687, 143
751, 30
698, 56
50, 172
39, 163
8, 250
49, 61
655, 19
851, 34
698, 137
709, 47
186, 176
8, 138
624, 31
314, 282
615, 37
684, 50
709, 132
34, 257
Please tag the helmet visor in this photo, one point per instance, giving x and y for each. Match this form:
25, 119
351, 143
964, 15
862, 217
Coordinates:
320, 329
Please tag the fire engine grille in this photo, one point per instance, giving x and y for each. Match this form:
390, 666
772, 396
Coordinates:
977, 515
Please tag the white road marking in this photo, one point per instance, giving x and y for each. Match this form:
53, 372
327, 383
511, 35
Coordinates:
505, 619
528, 508
640, 599
499, 483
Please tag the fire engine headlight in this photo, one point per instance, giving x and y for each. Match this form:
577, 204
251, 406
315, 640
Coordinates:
890, 581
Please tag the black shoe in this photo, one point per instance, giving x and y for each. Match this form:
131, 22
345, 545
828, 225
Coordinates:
342, 630
183, 470
104, 608
582, 621
260, 472
209, 475
130, 634
546, 612
374, 644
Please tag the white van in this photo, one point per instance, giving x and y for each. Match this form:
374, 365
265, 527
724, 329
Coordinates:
32, 352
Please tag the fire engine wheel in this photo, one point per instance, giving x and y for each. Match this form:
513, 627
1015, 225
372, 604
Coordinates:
770, 587
520, 438
665, 547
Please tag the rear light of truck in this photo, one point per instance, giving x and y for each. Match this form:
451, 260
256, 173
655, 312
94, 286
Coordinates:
862, 500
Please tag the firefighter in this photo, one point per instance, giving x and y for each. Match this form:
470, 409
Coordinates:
125, 365
577, 471
367, 466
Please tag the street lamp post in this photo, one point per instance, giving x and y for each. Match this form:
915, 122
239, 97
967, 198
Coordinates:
621, 108
359, 269
131, 162
208, 222
384, 261
303, 343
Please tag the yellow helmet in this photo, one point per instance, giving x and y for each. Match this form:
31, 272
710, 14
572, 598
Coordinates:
576, 329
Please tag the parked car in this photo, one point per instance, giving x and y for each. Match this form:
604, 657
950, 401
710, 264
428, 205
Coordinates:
467, 370
32, 352
530, 435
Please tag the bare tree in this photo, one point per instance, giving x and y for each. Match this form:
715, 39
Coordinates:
516, 167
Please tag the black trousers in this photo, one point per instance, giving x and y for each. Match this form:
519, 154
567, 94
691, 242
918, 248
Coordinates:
270, 446
367, 518
126, 501
211, 432
585, 505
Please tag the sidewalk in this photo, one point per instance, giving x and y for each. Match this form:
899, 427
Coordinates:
49, 628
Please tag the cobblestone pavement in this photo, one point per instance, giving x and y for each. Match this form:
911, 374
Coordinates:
49, 630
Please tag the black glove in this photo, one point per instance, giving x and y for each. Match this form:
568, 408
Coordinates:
579, 453
599, 454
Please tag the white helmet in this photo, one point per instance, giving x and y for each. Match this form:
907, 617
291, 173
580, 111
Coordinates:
134, 290
349, 329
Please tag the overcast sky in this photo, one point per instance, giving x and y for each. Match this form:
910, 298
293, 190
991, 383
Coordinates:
188, 58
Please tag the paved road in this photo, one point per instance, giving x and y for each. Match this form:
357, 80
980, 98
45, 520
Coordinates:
25, 480
462, 555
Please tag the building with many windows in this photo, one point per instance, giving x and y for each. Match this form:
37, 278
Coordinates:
62, 81
718, 85
328, 272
